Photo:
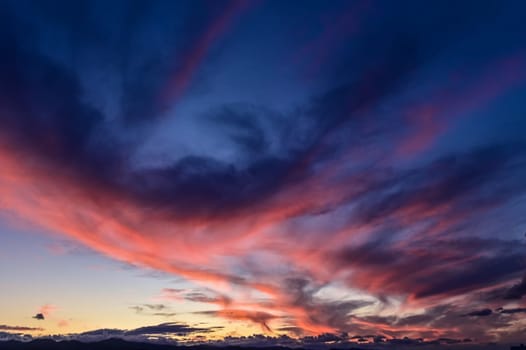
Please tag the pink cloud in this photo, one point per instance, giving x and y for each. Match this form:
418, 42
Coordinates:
440, 112
47, 309
182, 77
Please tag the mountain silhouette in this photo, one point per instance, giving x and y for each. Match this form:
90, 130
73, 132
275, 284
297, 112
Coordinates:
116, 344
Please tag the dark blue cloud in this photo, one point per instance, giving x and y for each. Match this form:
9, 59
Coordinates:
517, 291
166, 329
480, 313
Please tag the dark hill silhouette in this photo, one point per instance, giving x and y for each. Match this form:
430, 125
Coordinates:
115, 344
110, 344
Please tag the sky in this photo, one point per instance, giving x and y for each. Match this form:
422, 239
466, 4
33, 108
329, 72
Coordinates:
264, 172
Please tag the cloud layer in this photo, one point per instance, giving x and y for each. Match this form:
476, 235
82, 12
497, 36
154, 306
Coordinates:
358, 210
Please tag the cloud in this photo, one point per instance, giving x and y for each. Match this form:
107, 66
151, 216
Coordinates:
476, 272
195, 296
164, 314
4, 327
137, 309
477, 313
167, 328
258, 317
47, 309
152, 307
63, 323
511, 311
430, 119
164, 330
450, 180
181, 77
153, 310
103, 332
517, 291
315, 201
156, 307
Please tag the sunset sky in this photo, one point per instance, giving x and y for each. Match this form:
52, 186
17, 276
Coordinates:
311, 171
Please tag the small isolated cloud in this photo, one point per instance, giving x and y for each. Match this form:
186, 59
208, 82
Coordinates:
153, 310
39, 316
137, 309
157, 307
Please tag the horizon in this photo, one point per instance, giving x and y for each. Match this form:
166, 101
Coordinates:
244, 342
263, 172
